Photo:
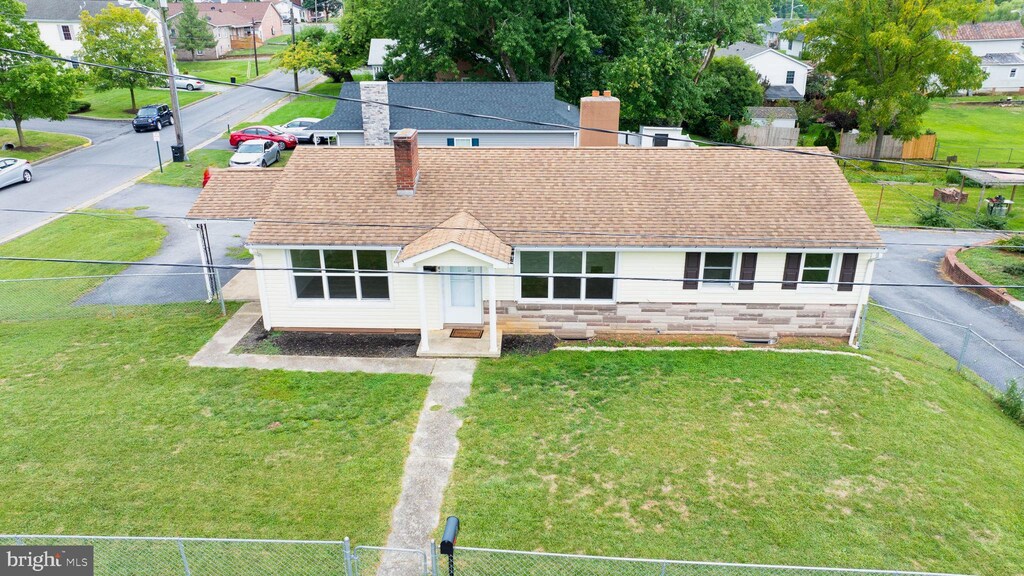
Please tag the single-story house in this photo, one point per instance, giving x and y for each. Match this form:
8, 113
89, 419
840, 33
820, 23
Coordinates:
658, 137
358, 124
786, 75
59, 20
1000, 45
774, 30
575, 242
379, 48
774, 116
233, 24
289, 9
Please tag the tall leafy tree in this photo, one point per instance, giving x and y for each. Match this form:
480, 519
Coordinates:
29, 87
122, 37
890, 56
728, 87
192, 32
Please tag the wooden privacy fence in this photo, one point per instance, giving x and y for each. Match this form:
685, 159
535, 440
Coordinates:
922, 147
768, 135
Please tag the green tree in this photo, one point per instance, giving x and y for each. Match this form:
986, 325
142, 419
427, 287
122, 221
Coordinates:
30, 87
729, 86
331, 7
889, 57
192, 31
304, 55
122, 37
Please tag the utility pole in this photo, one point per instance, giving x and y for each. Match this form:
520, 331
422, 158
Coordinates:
295, 73
178, 150
255, 58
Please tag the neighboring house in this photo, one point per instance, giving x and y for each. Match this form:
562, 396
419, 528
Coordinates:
658, 137
234, 24
291, 8
773, 36
786, 76
59, 25
575, 242
356, 124
1001, 48
379, 48
774, 116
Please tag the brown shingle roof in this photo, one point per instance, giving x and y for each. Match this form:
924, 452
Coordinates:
235, 193
563, 196
462, 229
226, 14
1006, 30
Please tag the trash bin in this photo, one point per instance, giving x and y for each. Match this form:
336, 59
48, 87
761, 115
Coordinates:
233, 81
177, 153
998, 209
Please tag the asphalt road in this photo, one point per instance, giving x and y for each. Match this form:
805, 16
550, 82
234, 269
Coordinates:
119, 155
1001, 325
157, 285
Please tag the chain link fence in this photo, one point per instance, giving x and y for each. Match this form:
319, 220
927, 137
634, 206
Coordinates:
132, 556
965, 349
104, 291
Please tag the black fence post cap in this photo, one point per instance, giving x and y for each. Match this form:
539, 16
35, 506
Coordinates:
451, 533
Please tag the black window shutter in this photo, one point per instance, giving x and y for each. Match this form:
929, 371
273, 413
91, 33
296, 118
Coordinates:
451, 141
792, 272
847, 272
476, 141
691, 270
748, 267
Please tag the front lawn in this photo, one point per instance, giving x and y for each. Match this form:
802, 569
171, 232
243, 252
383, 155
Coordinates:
899, 201
38, 145
990, 264
107, 430
242, 70
117, 103
190, 173
985, 135
743, 457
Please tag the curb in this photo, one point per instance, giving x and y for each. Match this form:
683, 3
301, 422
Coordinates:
88, 142
960, 273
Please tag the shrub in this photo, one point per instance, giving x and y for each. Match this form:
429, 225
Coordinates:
1014, 270
1012, 401
1016, 241
953, 177
827, 138
806, 114
990, 222
78, 106
936, 217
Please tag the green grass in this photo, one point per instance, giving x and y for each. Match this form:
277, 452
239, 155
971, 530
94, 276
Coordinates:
746, 457
117, 103
269, 48
301, 107
898, 203
962, 130
107, 430
222, 70
989, 264
38, 145
190, 173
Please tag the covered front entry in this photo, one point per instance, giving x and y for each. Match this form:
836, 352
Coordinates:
462, 296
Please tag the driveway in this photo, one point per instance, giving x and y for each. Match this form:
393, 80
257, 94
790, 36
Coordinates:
1001, 325
180, 246
119, 155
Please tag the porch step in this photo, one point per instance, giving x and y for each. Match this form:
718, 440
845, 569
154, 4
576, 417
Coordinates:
441, 345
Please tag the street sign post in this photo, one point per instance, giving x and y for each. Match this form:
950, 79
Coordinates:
159, 160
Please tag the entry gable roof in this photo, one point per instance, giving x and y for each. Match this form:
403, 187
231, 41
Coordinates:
464, 230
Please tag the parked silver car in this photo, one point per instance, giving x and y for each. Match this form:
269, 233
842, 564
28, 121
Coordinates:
188, 83
256, 153
299, 128
14, 170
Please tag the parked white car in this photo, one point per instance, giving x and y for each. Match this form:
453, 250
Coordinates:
299, 128
189, 83
256, 153
14, 170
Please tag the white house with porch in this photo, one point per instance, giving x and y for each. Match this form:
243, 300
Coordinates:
575, 242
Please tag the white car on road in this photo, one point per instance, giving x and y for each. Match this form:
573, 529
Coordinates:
299, 128
256, 153
14, 170
188, 83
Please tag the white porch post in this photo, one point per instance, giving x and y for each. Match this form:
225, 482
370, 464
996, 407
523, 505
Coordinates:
421, 283
492, 315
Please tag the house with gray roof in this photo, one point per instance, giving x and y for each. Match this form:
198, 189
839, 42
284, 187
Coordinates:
774, 36
356, 123
1000, 45
58, 20
786, 75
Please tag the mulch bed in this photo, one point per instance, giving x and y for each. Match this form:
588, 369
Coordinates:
527, 345
259, 341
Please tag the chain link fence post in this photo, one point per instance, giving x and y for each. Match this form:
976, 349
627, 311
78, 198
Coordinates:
220, 291
433, 558
963, 348
863, 324
184, 559
346, 544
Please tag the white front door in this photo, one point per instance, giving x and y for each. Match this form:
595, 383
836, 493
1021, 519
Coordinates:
463, 303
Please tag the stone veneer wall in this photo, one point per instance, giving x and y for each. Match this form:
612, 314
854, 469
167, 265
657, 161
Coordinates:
740, 320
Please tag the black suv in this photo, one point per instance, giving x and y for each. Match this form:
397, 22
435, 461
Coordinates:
153, 117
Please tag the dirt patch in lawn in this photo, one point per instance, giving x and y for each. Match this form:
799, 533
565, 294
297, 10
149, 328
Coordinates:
260, 341
528, 344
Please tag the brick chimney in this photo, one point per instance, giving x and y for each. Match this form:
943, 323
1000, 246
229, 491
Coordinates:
599, 111
407, 161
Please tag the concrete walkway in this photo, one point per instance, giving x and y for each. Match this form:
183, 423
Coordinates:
434, 443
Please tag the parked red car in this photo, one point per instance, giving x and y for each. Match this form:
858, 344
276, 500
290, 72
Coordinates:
264, 133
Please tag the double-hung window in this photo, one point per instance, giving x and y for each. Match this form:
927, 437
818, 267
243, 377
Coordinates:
567, 275
718, 269
790, 76
65, 32
340, 274
816, 268
1013, 72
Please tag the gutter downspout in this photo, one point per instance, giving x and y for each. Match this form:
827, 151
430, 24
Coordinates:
863, 301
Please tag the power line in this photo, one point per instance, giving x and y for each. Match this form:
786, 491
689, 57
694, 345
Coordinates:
506, 119
427, 227
321, 271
